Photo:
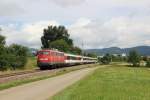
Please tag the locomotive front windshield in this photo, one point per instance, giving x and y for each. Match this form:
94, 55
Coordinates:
43, 53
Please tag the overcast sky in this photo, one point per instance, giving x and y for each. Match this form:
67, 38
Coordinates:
95, 23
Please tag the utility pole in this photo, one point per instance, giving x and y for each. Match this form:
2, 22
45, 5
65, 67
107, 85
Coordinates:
0, 29
82, 48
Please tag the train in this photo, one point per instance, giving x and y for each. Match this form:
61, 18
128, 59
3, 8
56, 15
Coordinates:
47, 59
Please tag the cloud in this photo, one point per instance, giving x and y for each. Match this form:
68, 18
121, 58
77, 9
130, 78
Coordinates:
28, 34
118, 31
10, 8
121, 31
66, 3
67, 11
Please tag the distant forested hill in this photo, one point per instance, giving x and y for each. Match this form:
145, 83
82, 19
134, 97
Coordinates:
143, 50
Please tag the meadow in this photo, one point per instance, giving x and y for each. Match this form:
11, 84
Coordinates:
113, 82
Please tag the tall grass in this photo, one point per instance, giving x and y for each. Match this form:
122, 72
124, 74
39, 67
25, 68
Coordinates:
111, 83
31, 63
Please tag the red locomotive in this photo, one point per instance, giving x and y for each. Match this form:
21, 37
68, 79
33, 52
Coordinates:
53, 58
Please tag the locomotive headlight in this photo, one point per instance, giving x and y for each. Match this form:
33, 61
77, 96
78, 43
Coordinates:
44, 59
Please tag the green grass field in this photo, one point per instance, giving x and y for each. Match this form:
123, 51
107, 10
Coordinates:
110, 83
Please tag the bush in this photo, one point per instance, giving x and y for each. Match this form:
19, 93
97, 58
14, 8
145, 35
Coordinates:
134, 58
3, 62
105, 60
12, 57
3, 58
17, 56
148, 63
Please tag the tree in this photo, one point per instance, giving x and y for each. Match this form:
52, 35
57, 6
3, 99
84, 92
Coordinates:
134, 58
3, 58
60, 45
76, 50
3, 54
91, 55
53, 33
57, 37
2, 40
106, 59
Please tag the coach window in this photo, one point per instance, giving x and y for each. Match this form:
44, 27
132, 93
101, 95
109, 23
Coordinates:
57, 54
73, 58
60, 54
68, 57
45, 53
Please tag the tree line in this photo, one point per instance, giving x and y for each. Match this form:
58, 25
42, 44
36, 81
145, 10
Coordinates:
134, 58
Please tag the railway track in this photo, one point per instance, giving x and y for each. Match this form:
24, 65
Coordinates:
19, 73
4, 78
